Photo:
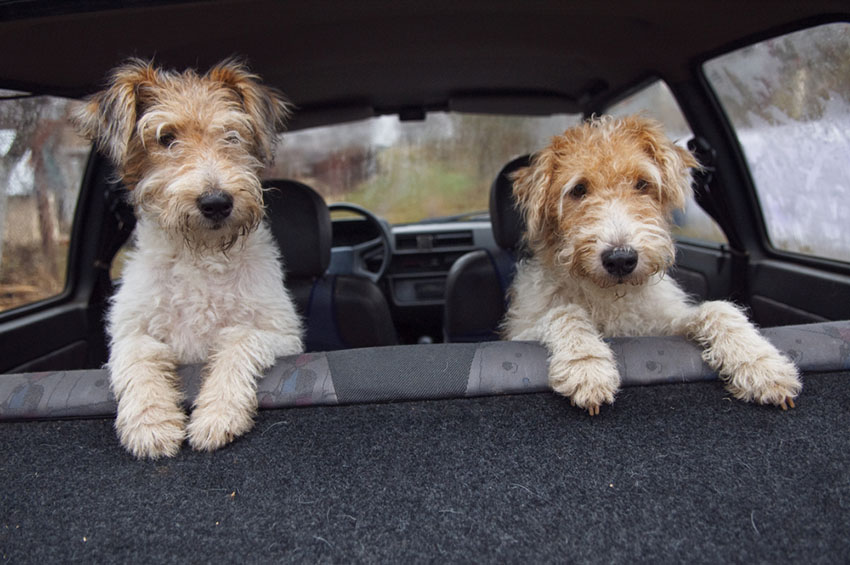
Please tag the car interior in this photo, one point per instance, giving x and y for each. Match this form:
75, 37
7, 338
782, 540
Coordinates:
341, 311
409, 430
414, 260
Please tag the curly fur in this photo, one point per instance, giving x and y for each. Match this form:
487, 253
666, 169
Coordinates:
195, 289
606, 185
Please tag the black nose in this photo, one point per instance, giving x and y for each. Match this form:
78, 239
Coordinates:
215, 205
620, 261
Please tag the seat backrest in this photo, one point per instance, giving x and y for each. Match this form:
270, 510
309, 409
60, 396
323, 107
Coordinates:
478, 282
505, 217
339, 311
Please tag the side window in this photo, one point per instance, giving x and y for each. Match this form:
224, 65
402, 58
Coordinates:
788, 99
656, 101
42, 161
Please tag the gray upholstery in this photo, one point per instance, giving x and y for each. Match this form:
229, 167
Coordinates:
475, 299
421, 372
339, 311
301, 225
508, 225
477, 283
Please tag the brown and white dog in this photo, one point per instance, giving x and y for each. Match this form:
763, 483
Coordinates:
598, 203
204, 283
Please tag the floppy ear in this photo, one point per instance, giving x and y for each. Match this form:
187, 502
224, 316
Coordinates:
267, 107
674, 162
683, 163
531, 185
108, 118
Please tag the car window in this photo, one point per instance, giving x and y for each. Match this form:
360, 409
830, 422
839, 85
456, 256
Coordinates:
788, 99
656, 101
406, 171
42, 161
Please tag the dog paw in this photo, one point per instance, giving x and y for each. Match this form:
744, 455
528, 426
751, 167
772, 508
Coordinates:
214, 425
769, 380
152, 432
588, 383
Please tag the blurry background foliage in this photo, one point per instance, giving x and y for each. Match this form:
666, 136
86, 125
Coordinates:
408, 171
41, 166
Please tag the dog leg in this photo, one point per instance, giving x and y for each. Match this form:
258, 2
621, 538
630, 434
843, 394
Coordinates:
150, 422
754, 370
581, 365
227, 401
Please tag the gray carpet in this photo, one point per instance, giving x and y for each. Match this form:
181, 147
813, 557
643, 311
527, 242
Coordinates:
669, 473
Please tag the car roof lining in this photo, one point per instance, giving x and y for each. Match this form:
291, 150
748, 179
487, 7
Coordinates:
390, 55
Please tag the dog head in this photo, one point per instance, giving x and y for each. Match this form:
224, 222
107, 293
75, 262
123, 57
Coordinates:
598, 201
189, 147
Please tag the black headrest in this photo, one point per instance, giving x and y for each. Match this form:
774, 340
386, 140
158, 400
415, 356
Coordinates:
301, 225
508, 225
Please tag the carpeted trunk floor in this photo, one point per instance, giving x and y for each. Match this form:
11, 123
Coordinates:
672, 473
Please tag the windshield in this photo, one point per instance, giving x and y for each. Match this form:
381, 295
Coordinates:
407, 171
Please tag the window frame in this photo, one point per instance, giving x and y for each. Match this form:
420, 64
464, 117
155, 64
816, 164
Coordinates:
730, 154
734, 145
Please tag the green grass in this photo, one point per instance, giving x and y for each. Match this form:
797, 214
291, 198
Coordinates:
416, 189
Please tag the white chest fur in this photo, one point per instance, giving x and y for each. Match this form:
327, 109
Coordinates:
184, 299
649, 309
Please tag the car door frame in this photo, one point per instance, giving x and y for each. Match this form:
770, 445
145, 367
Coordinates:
67, 331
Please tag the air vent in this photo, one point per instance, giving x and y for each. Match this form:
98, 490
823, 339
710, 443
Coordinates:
406, 240
438, 240
453, 239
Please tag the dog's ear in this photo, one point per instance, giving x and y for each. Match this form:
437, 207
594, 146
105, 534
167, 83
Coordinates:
531, 186
267, 107
674, 162
108, 118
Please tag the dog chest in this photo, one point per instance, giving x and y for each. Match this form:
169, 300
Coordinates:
186, 302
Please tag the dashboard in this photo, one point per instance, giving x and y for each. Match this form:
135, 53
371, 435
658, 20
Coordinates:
421, 256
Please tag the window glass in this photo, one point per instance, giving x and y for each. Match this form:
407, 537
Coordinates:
788, 99
656, 101
407, 171
41, 165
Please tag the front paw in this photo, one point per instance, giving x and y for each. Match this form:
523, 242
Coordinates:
151, 430
290, 345
588, 382
772, 379
215, 424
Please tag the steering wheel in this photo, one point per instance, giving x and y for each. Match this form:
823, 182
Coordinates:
360, 251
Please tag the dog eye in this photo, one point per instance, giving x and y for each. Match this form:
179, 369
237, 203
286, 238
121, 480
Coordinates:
232, 138
579, 190
166, 139
641, 185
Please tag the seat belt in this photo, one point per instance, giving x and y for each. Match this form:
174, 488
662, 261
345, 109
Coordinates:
117, 227
322, 331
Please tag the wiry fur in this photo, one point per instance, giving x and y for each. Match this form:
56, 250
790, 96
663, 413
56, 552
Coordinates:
195, 289
630, 179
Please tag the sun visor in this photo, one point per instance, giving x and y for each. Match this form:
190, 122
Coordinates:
315, 116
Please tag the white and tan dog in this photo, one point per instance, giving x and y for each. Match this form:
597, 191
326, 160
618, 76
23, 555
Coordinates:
598, 203
204, 283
